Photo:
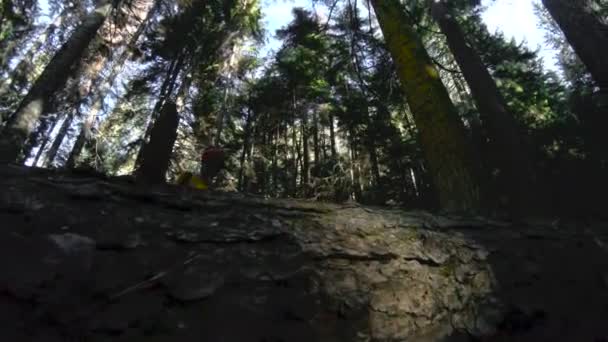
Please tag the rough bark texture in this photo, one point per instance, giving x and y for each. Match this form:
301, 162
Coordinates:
332, 137
97, 259
157, 152
52, 79
63, 131
46, 124
507, 144
585, 32
448, 153
166, 90
104, 87
83, 136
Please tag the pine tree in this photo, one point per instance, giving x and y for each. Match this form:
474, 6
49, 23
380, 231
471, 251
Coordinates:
506, 138
450, 157
54, 77
585, 32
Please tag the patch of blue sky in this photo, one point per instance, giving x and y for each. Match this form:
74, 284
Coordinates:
515, 18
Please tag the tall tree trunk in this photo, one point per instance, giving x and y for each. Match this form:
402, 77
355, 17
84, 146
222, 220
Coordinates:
26, 64
332, 137
9, 48
315, 140
44, 142
221, 117
294, 153
167, 87
449, 154
275, 156
285, 173
157, 153
355, 170
100, 93
506, 140
587, 35
371, 147
247, 137
250, 153
52, 79
90, 80
78, 145
305, 154
63, 131
44, 127
299, 166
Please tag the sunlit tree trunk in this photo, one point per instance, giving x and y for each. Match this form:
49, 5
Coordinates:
355, 170
294, 152
332, 137
585, 32
299, 165
315, 139
305, 153
506, 141
449, 155
88, 80
246, 139
52, 79
103, 87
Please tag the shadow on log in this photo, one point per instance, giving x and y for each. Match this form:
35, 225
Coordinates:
86, 258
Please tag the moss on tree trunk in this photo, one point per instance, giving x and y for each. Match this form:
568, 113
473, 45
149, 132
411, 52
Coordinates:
449, 154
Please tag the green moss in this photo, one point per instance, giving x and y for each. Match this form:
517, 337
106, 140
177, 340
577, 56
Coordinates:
448, 269
447, 151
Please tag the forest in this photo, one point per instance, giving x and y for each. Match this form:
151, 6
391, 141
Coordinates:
391, 170
413, 104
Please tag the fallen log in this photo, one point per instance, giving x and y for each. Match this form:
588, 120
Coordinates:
100, 259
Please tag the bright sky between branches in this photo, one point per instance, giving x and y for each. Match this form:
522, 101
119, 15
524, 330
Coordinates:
515, 18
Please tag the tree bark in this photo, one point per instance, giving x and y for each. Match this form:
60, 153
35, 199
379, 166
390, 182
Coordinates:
294, 153
305, 153
449, 154
99, 95
371, 147
221, 116
587, 35
507, 144
63, 131
156, 155
332, 137
166, 89
275, 137
52, 79
44, 142
315, 139
355, 170
247, 137
26, 63
44, 127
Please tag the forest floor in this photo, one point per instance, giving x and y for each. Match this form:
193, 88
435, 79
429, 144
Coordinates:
87, 258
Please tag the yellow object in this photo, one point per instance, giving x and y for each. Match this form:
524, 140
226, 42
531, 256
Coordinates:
192, 181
